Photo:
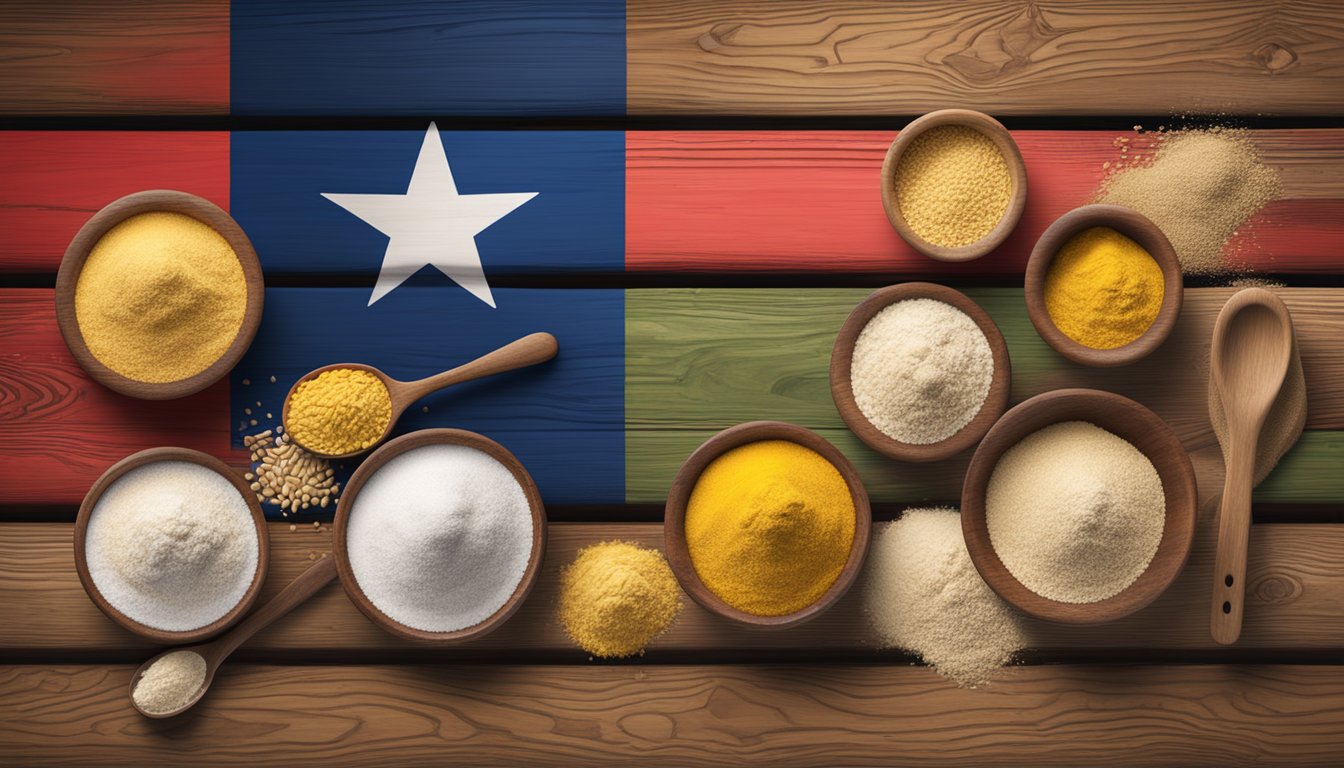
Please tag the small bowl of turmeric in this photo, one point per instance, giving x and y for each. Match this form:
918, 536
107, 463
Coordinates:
767, 524
1103, 286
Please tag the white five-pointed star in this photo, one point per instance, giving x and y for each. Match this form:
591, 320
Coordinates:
431, 223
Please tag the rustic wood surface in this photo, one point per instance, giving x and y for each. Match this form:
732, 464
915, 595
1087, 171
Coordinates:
1295, 602
88, 57
354, 715
840, 57
815, 204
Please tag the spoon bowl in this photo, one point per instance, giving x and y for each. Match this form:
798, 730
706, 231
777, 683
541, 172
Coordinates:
532, 349
1252, 346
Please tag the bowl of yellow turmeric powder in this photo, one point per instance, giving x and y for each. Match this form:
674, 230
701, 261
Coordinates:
1103, 285
767, 524
159, 294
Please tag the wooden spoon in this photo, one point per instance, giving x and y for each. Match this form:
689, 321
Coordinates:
530, 350
307, 584
1252, 344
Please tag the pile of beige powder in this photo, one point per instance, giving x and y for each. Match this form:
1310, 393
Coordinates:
923, 594
1200, 187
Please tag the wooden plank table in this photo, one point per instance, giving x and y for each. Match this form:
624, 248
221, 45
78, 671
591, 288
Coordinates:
708, 215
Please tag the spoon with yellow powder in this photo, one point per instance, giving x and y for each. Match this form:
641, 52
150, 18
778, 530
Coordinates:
343, 410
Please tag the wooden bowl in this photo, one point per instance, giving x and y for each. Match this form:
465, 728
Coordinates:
1017, 172
114, 213
1138, 228
410, 442
151, 456
842, 358
1120, 416
674, 519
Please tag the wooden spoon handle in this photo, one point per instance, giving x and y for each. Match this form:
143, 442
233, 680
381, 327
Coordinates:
1234, 529
298, 591
530, 350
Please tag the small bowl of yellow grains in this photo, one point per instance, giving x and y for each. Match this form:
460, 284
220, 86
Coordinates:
766, 524
159, 294
1103, 286
954, 184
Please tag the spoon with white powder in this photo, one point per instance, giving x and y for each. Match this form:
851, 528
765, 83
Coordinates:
173, 681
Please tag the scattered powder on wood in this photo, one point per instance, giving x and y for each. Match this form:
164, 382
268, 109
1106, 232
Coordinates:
923, 594
440, 537
616, 597
170, 683
1200, 187
160, 297
172, 545
952, 185
921, 370
1075, 513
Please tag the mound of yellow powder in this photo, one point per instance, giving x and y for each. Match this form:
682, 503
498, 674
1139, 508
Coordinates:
953, 185
769, 526
160, 298
616, 597
1103, 290
339, 411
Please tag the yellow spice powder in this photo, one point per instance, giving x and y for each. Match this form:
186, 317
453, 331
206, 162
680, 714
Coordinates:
160, 298
952, 185
1103, 290
339, 411
769, 526
616, 597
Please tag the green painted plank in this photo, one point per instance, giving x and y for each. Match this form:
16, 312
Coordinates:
700, 360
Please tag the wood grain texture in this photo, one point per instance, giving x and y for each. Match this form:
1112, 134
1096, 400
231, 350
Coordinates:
61, 430
51, 182
699, 360
810, 201
88, 57
359, 715
1295, 602
839, 57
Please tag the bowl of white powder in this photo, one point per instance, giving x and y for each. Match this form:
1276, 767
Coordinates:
1079, 506
171, 544
439, 535
919, 372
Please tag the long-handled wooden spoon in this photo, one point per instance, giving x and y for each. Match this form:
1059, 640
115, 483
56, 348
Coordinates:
529, 350
1252, 344
307, 584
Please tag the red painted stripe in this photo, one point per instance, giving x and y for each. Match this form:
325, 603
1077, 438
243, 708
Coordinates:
52, 181
810, 201
61, 430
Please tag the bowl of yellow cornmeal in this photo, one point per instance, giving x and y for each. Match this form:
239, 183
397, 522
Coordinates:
159, 294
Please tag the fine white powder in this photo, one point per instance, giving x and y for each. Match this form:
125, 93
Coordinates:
170, 683
172, 545
922, 593
439, 537
921, 370
1074, 512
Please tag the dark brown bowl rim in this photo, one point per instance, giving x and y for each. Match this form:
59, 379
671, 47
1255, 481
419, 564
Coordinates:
1138, 228
420, 439
1017, 171
112, 214
152, 456
842, 359
1131, 421
674, 520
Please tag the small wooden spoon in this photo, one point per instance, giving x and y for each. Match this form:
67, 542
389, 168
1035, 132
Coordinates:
530, 350
1252, 344
298, 591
